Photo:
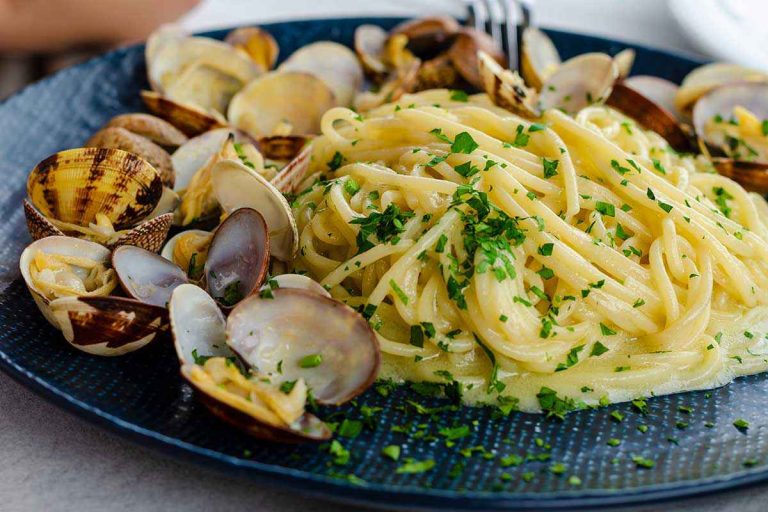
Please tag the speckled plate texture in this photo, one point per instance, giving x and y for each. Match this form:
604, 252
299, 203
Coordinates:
141, 395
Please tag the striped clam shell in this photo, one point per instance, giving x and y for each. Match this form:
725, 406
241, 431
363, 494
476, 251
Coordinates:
74, 185
120, 138
191, 120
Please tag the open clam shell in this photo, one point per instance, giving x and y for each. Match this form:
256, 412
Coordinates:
150, 127
107, 326
402, 80
238, 257
579, 82
650, 115
63, 246
297, 281
196, 153
289, 177
710, 76
369, 46
189, 119
464, 55
658, 90
333, 63
540, 57
259, 44
296, 98
236, 186
280, 337
198, 328
624, 61
753, 176
74, 185
189, 250
428, 37
282, 147
146, 276
120, 138
506, 88
713, 116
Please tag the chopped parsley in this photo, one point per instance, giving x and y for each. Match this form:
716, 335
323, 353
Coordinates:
311, 361
336, 161
459, 95
386, 226
464, 143
391, 452
550, 167
598, 349
413, 466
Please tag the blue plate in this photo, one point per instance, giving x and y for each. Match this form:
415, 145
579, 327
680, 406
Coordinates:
141, 395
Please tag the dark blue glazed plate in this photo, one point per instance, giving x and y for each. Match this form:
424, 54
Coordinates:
689, 437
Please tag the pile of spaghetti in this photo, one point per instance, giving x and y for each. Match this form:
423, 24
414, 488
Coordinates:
552, 264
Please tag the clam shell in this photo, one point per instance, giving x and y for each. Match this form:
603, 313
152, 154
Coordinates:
428, 37
369, 46
266, 331
63, 245
204, 86
196, 153
190, 120
650, 116
753, 176
404, 79
120, 138
148, 235
710, 76
238, 257
289, 177
579, 82
438, 73
259, 44
282, 147
464, 55
198, 328
298, 281
74, 185
333, 63
660, 91
540, 57
37, 224
506, 88
236, 186
299, 99
107, 326
168, 248
624, 61
146, 276
150, 127
169, 56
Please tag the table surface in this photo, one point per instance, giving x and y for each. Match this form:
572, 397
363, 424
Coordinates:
54, 461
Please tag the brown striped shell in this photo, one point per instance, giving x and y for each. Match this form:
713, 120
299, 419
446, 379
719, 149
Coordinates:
73, 186
190, 120
120, 138
282, 147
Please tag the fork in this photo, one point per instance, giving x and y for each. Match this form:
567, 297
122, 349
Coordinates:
504, 21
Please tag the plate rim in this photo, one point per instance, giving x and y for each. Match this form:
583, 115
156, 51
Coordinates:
368, 495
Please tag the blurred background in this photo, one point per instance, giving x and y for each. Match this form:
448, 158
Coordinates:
38, 37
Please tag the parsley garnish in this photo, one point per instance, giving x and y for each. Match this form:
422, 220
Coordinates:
412, 466
232, 294
311, 361
553, 405
459, 95
385, 225
398, 291
336, 161
550, 167
598, 349
464, 143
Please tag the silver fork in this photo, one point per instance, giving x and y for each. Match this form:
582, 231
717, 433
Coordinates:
504, 21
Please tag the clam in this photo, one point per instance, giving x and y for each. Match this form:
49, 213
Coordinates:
298, 281
189, 250
189, 119
108, 326
61, 266
428, 37
293, 98
624, 61
539, 57
464, 55
438, 73
238, 257
579, 82
288, 178
146, 276
120, 138
251, 403
402, 80
192, 156
282, 147
259, 44
506, 88
658, 90
278, 334
333, 63
369, 46
157, 130
708, 77
731, 121
650, 115
236, 186
197, 70
106, 195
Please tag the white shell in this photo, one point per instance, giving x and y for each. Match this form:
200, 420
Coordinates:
540, 57
578, 82
197, 324
333, 63
299, 99
193, 155
167, 203
660, 91
624, 61
300, 282
64, 245
236, 186
705, 78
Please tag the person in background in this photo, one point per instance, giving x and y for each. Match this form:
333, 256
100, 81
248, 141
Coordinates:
38, 37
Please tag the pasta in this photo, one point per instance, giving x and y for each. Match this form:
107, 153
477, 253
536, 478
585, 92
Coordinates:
577, 255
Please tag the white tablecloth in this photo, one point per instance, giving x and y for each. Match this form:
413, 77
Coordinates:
53, 461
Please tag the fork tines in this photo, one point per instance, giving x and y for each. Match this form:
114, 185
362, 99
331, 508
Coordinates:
501, 19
